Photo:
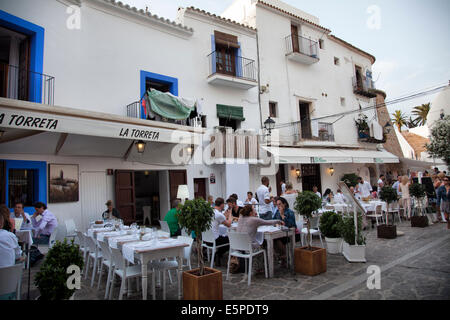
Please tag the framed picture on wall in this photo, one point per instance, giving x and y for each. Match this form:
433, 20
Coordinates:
63, 184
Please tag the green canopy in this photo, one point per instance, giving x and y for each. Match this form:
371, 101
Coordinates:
168, 106
230, 112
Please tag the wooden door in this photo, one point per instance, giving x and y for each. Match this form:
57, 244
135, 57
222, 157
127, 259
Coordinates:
225, 60
305, 121
23, 71
200, 188
294, 36
125, 195
280, 177
311, 177
176, 177
359, 79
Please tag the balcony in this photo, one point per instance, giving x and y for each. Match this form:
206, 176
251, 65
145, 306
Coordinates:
301, 49
232, 71
306, 131
240, 145
363, 86
23, 84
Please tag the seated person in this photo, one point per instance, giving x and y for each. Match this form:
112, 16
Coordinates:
273, 205
9, 223
211, 201
110, 212
250, 199
339, 196
172, 219
9, 246
328, 195
45, 226
235, 209
288, 217
220, 218
316, 191
289, 189
19, 213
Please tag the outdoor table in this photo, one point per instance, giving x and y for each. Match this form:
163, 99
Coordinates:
146, 251
26, 236
371, 205
92, 232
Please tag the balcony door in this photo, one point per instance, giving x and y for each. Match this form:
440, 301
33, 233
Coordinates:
359, 77
225, 60
305, 120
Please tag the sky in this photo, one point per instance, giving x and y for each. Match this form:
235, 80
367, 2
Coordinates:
409, 38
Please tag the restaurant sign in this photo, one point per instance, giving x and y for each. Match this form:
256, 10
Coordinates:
20, 119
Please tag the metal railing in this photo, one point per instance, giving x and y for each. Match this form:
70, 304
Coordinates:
363, 85
231, 65
306, 130
296, 43
23, 84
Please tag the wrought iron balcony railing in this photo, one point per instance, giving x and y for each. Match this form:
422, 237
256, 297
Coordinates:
299, 44
228, 64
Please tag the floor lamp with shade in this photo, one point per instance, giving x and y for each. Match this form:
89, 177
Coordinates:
183, 192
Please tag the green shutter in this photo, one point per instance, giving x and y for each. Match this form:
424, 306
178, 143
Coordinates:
230, 112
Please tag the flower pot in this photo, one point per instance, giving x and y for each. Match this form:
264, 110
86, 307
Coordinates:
419, 221
310, 262
386, 231
355, 253
206, 287
334, 245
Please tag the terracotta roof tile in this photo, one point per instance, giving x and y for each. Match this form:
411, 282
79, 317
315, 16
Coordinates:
218, 17
416, 142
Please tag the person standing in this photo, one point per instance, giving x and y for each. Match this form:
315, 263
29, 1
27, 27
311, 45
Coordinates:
396, 186
263, 194
172, 219
363, 188
45, 226
110, 211
406, 198
283, 187
443, 201
18, 213
380, 183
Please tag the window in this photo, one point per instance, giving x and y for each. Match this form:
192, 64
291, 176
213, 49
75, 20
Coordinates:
22, 186
163, 87
227, 122
321, 44
337, 61
273, 109
342, 101
227, 49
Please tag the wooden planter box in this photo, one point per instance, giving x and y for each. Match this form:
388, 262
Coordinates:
310, 262
206, 287
386, 231
419, 221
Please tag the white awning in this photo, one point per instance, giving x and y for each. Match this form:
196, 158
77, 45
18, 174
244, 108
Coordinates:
329, 155
308, 155
417, 164
371, 156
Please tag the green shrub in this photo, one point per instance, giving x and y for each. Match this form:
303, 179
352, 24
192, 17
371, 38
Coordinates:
305, 204
350, 179
329, 224
417, 190
196, 215
347, 230
388, 194
52, 277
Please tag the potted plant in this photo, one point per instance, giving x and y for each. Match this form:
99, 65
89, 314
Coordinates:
363, 126
350, 179
309, 260
202, 283
329, 227
387, 231
51, 279
417, 191
354, 248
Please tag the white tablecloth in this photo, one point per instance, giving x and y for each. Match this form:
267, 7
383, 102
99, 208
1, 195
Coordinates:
25, 236
115, 240
92, 230
371, 206
128, 249
101, 235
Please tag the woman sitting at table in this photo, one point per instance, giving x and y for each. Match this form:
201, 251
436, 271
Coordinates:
9, 223
249, 223
288, 217
111, 212
328, 195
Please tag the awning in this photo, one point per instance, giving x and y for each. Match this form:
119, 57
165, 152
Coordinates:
417, 164
230, 112
329, 155
371, 156
169, 106
308, 155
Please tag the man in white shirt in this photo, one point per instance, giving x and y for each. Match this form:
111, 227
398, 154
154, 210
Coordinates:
380, 183
339, 197
263, 194
9, 247
283, 187
250, 199
20, 214
220, 218
316, 191
363, 188
396, 185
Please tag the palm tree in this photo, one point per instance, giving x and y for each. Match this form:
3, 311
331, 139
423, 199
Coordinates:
421, 113
399, 119
411, 123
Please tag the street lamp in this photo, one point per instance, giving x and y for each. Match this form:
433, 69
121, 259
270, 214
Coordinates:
140, 145
442, 115
269, 125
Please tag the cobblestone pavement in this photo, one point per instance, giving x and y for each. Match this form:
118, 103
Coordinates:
413, 266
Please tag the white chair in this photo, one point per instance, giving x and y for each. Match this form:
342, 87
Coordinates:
208, 236
299, 222
164, 226
125, 272
167, 265
314, 230
83, 247
146, 214
377, 214
394, 209
11, 281
70, 228
184, 232
241, 247
95, 254
106, 260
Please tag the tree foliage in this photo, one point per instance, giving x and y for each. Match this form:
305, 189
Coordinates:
350, 179
347, 230
52, 277
196, 215
439, 140
306, 203
329, 224
421, 113
399, 119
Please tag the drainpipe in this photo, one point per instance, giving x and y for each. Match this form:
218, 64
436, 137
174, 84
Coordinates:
259, 80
